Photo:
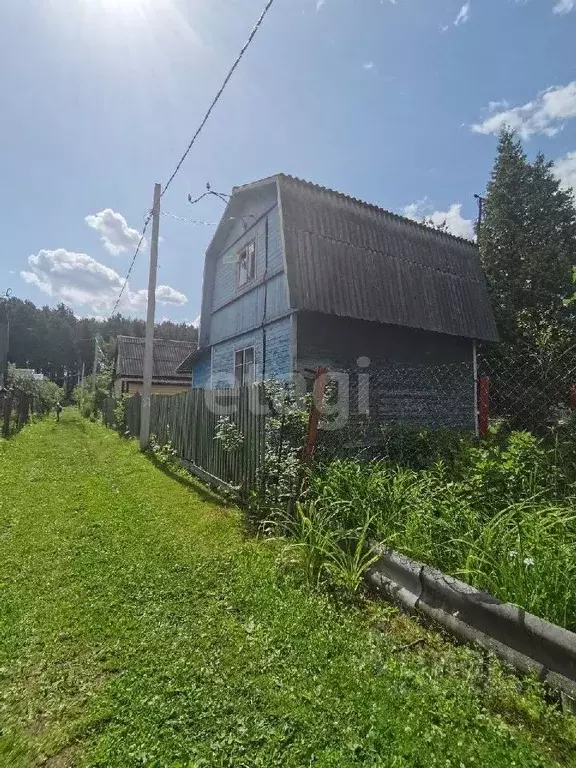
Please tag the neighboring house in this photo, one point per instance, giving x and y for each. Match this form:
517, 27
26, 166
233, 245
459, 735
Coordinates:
129, 366
299, 276
29, 373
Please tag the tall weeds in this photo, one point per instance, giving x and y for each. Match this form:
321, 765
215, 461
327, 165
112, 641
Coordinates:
501, 516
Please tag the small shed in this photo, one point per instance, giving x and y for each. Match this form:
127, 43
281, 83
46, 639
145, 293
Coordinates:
166, 380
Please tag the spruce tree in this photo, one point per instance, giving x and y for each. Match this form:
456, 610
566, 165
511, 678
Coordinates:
528, 247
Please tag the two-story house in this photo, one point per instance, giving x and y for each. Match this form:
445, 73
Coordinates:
299, 276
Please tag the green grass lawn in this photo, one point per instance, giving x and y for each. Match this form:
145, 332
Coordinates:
139, 627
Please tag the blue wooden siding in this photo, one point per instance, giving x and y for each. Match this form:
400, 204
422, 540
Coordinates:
262, 304
279, 363
244, 317
237, 310
278, 355
201, 372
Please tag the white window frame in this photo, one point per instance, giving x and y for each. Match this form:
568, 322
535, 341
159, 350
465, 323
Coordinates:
247, 257
246, 367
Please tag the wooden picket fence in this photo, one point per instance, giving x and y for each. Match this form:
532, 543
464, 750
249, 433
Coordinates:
188, 422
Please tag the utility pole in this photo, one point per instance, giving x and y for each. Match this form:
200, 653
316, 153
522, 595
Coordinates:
481, 201
94, 371
4, 339
149, 342
95, 365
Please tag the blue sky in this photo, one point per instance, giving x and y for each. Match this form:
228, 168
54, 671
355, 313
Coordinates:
397, 102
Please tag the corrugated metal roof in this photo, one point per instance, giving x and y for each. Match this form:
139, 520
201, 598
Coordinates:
349, 258
167, 357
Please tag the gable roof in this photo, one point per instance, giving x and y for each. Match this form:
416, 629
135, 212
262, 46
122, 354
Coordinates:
349, 258
167, 357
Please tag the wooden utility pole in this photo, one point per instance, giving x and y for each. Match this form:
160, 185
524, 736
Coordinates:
95, 365
149, 343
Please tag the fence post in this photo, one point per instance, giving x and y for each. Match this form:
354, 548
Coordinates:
484, 402
7, 414
315, 414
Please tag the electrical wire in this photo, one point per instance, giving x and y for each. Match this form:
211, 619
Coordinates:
220, 195
190, 221
219, 94
199, 130
131, 267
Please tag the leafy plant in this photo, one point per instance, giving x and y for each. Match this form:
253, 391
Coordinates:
120, 416
164, 453
280, 473
330, 555
46, 392
499, 516
228, 434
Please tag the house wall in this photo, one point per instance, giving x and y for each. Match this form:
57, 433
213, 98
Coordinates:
237, 310
201, 372
256, 315
277, 356
415, 377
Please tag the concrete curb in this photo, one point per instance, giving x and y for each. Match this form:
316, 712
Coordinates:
519, 638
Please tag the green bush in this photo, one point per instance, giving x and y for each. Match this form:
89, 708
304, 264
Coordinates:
46, 392
500, 516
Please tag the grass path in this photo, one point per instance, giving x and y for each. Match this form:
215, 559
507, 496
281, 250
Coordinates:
139, 628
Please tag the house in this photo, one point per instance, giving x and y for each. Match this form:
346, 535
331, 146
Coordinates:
166, 380
29, 373
299, 276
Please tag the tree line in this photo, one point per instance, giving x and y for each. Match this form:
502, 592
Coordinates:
60, 345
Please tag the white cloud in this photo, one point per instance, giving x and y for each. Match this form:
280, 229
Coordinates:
115, 234
463, 15
565, 170
319, 4
451, 219
563, 6
368, 65
545, 114
167, 295
80, 280
494, 106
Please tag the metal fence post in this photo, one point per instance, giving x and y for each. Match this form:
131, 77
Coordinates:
484, 403
315, 414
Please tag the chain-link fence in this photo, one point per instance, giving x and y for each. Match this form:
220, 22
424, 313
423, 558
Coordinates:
528, 389
396, 410
408, 414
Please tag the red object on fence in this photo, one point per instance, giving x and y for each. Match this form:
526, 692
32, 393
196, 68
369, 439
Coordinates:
573, 395
315, 414
483, 403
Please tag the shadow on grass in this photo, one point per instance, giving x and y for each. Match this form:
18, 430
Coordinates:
180, 475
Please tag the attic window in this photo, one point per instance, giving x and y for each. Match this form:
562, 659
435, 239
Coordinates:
246, 264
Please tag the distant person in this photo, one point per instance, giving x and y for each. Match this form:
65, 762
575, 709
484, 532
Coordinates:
58, 411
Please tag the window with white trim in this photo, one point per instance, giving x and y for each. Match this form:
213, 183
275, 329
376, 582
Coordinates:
244, 366
246, 264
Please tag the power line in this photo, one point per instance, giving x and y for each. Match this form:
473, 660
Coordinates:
190, 221
199, 130
219, 94
209, 191
131, 267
